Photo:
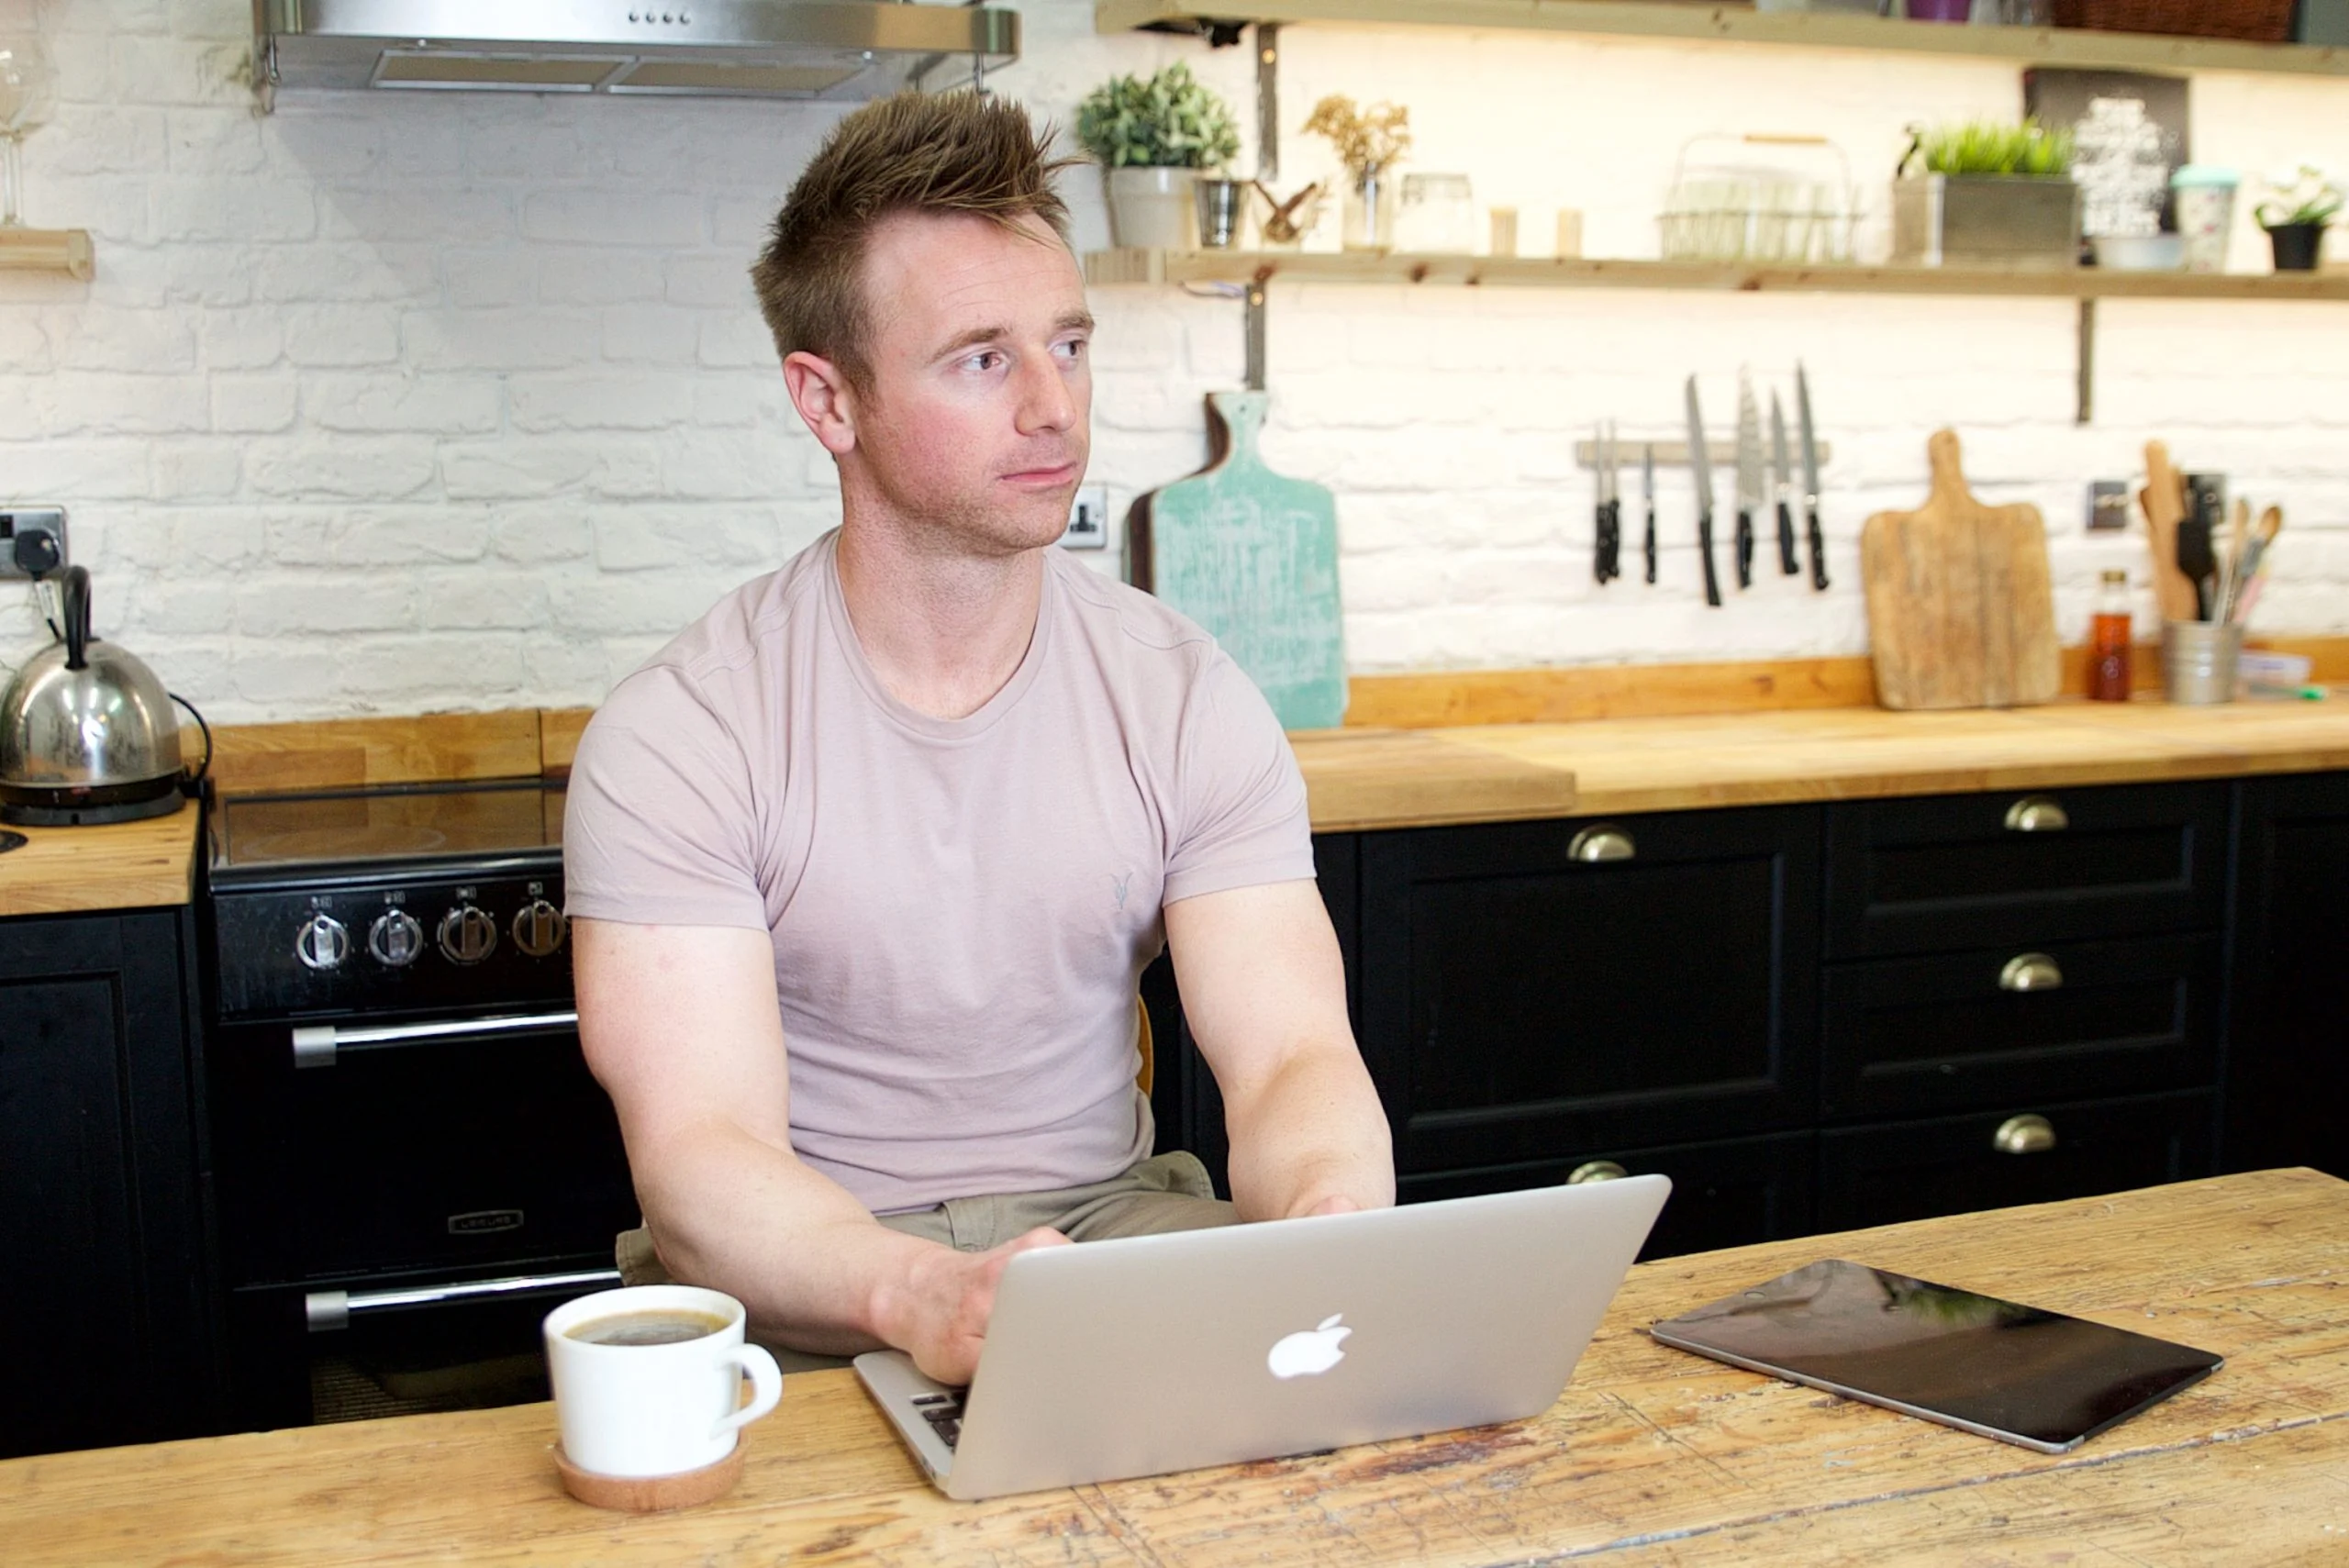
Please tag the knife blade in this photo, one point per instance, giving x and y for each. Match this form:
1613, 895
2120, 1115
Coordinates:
1604, 566
1811, 480
1647, 493
1749, 475
1782, 477
1700, 465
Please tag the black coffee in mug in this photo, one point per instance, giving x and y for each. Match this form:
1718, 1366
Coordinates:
660, 1326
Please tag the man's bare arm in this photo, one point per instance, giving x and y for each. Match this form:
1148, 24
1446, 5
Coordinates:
1265, 992
680, 1024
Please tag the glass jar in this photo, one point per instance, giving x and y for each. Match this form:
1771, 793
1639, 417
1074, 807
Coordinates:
1438, 217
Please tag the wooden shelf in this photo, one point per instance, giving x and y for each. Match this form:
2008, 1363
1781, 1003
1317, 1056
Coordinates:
1802, 30
67, 251
1131, 266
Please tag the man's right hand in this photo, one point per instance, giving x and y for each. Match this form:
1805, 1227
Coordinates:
938, 1312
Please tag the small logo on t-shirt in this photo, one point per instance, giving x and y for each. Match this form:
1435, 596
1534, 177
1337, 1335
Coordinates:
1121, 884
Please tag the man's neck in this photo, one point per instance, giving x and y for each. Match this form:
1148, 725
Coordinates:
943, 628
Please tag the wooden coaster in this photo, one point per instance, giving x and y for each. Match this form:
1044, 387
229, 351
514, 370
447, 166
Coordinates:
652, 1494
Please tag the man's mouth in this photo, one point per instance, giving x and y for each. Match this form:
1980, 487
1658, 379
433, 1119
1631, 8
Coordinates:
1043, 478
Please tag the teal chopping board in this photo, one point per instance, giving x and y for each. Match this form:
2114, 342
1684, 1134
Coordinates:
1252, 556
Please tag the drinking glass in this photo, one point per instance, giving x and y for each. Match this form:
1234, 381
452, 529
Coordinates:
28, 86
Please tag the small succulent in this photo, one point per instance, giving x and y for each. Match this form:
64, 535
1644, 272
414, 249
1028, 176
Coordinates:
2301, 195
1365, 139
2028, 151
1171, 121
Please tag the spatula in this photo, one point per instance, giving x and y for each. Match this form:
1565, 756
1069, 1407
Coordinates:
2164, 500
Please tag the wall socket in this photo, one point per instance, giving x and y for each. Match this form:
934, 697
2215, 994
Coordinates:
32, 539
1088, 520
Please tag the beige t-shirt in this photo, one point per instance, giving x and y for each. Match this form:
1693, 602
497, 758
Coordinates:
961, 909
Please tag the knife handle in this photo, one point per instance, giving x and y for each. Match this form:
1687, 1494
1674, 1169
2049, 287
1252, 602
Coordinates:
1818, 551
1787, 564
1651, 544
1705, 547
1603, 564
1744, 548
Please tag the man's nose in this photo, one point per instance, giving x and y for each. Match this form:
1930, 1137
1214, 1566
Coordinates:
1046, 400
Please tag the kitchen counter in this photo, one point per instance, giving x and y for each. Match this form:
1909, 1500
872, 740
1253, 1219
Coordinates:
1386, 778
1651, 1455
124, 865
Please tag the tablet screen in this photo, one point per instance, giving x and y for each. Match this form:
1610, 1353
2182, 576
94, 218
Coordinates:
1994, 1367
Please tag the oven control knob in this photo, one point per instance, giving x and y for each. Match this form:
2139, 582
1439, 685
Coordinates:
467, 935
539, 927
395, 938
322, 942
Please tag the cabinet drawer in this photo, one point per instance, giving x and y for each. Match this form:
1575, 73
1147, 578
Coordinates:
1519, 999
1955, 1031
1911, 1170
1957, 871
1723, 1195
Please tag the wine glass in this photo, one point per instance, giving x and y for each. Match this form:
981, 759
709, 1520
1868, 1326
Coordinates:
28, 86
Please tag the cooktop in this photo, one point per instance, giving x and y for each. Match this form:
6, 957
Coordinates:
389, 823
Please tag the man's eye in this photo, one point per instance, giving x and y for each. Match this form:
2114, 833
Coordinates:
1072, 350
985, 360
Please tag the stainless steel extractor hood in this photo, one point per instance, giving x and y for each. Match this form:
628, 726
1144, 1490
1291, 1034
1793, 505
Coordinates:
762, 48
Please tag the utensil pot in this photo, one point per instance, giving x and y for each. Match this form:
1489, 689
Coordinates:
2198, 660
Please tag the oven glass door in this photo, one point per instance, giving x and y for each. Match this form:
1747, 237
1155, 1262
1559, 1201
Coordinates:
416, 1145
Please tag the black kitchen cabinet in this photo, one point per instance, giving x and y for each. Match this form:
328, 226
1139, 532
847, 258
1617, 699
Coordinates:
109, 1306
1532, 990
1978, 871
1723, 1195
2287, 1058
1912, 1170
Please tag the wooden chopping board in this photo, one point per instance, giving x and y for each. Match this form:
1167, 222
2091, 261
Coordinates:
1961, 613
1252, 556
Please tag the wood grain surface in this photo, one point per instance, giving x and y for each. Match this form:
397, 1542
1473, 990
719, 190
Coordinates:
124, 865
1372, 778
1650, 1457
1961, 609
344, 754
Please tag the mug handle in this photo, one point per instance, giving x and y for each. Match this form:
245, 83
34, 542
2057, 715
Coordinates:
766, 1386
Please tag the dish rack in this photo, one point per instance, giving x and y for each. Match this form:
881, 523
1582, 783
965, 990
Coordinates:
1727, 204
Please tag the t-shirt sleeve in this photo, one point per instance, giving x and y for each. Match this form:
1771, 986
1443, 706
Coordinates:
1242, 812
659, 827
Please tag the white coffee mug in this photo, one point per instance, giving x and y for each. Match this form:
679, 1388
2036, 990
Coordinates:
642, 1410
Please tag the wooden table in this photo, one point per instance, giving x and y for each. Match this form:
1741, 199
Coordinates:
1650, 1457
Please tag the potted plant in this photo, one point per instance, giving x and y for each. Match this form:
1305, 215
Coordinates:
1151, 137
2295, 217
1987, 194
1370, 142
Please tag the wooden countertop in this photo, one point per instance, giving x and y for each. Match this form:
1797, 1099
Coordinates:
1650, 1457
125, 865
1357, 778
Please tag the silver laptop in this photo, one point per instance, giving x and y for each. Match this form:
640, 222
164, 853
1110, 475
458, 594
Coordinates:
1155, 1353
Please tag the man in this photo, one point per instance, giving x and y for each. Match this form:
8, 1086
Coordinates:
865, 865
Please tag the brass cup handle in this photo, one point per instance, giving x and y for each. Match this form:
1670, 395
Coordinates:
1604, 842
2037, 813
1595, 1170
2031, 971
2026, 1134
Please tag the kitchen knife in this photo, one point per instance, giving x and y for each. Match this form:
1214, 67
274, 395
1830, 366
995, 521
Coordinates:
1700, 465
1749, 475
1647, 493
1609, 533
1811, 480
1782, 480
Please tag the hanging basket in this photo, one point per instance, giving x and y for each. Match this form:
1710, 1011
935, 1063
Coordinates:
2261, 21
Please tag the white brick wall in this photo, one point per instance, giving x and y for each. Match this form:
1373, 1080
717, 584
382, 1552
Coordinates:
391, 401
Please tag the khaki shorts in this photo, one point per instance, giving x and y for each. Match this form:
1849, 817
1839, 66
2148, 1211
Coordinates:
1167, 1191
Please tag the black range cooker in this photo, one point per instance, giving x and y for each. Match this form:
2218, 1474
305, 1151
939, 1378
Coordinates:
412, 1162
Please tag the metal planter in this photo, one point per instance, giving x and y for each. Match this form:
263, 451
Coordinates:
1979, 220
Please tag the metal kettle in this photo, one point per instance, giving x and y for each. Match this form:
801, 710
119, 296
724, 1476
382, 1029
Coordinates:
87, 734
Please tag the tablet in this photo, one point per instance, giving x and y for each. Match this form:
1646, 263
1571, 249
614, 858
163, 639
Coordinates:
1996, 1368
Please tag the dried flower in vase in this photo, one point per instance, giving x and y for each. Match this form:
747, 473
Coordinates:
1366, 139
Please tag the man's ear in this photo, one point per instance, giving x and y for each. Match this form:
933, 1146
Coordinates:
824, 398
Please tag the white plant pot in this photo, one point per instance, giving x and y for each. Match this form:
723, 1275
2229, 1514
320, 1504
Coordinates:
1152, 209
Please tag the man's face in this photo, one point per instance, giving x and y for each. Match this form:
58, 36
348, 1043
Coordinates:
977, 418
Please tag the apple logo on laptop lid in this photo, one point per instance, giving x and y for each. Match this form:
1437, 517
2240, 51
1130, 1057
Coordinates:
1311, 1351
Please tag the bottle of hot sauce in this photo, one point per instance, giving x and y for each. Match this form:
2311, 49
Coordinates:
2109, 641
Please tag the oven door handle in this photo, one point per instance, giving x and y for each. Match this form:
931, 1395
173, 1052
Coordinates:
327, 1310
320, 1045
